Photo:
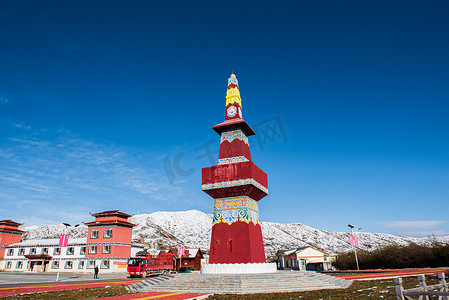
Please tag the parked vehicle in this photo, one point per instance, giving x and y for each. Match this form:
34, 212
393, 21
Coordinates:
185, 270
144, 264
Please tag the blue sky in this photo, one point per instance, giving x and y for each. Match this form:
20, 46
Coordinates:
109, 105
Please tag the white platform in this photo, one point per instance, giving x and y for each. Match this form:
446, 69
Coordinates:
238, 268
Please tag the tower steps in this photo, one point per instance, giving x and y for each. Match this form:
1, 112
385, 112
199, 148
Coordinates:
281, 281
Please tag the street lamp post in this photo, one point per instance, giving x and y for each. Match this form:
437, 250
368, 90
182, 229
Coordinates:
62, 246
180, 254
353, 244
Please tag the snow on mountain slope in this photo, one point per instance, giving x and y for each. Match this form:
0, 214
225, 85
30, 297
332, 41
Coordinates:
193, 228
443, 239
53, 232
167, 229
286, 236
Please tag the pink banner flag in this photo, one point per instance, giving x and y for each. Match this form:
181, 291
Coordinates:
66, 240
181, 251
354, 241
61, 240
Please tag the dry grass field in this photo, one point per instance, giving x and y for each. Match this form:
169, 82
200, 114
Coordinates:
369, 289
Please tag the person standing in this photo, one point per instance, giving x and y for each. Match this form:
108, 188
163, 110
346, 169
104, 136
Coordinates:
96, 272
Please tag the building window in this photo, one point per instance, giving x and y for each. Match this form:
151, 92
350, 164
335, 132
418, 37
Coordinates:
94, 234
107, 249
55, 265
104, 264
33, 251
44, 251
82, 250
57, 251
19, 265
92, 249
10, 252
8, 265
22, 251
81, 264
90, 264
70, 250
68, 264
108, 233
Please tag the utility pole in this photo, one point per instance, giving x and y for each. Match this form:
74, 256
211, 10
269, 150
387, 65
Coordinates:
62, 244
354, 242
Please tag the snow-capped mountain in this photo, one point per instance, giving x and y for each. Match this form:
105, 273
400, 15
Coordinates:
193, 228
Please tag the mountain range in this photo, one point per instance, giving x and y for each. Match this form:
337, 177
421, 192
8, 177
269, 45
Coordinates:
192, 228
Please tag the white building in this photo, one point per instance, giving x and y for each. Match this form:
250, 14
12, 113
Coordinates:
305, 258
47, 256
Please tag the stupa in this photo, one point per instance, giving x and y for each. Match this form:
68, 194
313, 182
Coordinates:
237, 185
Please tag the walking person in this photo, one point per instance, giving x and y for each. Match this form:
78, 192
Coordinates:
96, 272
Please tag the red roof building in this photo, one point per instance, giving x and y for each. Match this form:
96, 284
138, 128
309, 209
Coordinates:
9, 234
109, 239
107, 246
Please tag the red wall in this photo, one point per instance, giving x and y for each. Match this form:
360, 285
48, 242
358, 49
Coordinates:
233, 149
8, 239
119, 235
239, 242
236, 171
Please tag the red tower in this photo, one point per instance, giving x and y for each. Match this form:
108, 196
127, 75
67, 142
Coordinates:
9, 234
109, 237
237, 185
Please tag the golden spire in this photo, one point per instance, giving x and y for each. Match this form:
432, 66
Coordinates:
233, 93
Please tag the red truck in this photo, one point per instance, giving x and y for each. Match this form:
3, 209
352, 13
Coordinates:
144, 264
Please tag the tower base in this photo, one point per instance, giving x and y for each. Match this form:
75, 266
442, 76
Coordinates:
238, 268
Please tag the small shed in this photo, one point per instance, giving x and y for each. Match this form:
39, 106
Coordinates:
191, 258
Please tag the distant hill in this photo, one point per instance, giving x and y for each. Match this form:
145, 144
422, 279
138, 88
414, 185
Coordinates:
167, 229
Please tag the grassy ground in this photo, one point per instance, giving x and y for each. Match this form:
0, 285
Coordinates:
369, 289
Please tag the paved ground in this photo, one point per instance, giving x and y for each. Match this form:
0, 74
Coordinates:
160, 295
12, 283
9, 278
390, 274
36, 288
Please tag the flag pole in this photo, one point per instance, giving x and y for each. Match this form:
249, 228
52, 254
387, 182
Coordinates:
353, 244
63, 242
59, 266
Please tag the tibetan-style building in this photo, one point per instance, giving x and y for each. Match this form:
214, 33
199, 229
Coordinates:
9, 234
236, 184
109, 238
108, 246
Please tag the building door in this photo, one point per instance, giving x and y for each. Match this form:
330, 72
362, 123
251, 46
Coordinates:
37, 266
302, 265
